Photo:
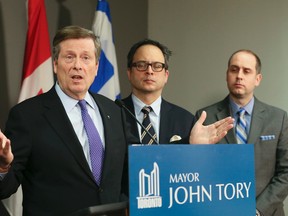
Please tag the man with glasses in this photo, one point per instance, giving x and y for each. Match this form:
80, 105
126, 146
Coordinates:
147, 70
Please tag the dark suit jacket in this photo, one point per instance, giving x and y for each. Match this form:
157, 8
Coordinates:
49, 161
174, 120
271, 156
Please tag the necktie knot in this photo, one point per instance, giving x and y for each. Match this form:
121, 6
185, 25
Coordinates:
241, 112
82, 104
146, 110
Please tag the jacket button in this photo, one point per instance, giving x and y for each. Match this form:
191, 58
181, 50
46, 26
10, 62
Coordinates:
100, 189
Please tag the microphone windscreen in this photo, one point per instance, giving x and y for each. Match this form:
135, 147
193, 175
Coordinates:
119, 102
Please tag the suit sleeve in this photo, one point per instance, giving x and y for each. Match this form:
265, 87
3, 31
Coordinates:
17, 133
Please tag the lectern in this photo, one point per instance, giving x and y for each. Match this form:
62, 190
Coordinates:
113, 209
192, 180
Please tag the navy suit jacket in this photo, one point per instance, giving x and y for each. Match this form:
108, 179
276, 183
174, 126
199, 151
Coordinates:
269, 134
174, 120
49, 161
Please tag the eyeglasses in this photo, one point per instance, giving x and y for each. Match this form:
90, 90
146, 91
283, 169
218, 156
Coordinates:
143, 66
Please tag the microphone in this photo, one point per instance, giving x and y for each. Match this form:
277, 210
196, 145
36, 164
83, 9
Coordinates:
121, 104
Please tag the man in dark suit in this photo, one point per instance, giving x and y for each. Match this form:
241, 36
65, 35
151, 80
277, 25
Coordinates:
50, 138
147, 70
266, 128
49, 142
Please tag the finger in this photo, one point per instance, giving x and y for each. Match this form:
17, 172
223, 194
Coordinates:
202, 117
223, 129
227, 120
7, 146
3, 141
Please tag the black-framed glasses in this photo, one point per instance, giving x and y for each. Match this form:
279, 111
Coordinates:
143, 66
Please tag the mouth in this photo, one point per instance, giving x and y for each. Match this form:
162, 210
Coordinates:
149, 80
77, 77
239, 85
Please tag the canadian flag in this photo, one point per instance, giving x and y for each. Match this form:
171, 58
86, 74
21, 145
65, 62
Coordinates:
37, 68
37, 73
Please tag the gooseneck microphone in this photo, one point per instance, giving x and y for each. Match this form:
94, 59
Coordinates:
121, 104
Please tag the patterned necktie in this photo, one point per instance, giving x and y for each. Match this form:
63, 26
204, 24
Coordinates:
95, 143
241, 134
145, 138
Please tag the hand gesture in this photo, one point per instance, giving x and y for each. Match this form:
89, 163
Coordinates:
212, 133
6, 156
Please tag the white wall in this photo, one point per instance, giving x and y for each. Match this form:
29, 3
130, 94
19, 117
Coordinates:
204, 33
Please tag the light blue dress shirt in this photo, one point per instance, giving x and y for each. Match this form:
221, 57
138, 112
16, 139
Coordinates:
234, 108
73, 111
154, 115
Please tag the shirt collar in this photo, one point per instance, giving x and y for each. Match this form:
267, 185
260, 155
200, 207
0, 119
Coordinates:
248, 107
138, 105
68, 102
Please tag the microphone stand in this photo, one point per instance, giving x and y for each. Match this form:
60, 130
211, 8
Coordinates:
122, 105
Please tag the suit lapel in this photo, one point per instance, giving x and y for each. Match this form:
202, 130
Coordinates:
224, 112
164, 120
106, 115
58, 119
257, 122
132, 122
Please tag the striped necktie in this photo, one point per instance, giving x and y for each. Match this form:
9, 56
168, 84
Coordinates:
145, 138
241, 134
95, 143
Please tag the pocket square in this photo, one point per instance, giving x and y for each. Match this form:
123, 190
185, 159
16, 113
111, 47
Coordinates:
175, 138
267, 137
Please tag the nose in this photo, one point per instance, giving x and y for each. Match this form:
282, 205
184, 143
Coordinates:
240, 74
149, 69
77, 64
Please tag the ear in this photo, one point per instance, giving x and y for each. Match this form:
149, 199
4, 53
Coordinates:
55, 63
128, 73
258, 79
97, 67
166, 75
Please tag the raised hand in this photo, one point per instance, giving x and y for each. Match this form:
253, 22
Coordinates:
212, 133
6, 156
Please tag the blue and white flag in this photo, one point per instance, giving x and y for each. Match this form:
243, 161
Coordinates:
107, 80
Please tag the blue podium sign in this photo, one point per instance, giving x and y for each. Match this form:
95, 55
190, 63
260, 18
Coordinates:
192, 180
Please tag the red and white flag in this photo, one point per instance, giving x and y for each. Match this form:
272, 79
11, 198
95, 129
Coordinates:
37, 72
37, 68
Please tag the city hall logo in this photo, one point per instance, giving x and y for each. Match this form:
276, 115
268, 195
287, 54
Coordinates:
149, 189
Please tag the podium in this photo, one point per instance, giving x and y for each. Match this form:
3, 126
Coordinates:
113, 209
193, 180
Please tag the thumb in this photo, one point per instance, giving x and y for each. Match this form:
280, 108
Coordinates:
202, 117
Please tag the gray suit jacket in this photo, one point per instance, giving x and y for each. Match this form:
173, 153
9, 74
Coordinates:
271, 156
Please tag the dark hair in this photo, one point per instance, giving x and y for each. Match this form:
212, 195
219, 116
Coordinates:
258, 61
166, 52
74, 32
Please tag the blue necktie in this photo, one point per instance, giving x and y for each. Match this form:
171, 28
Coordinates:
241, 134
95, 143
145, 138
